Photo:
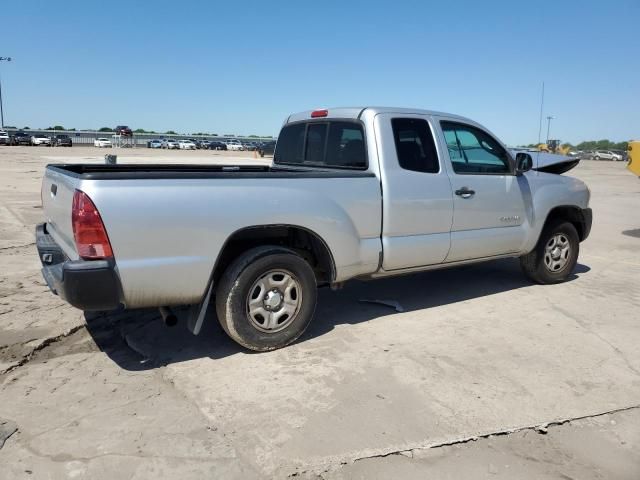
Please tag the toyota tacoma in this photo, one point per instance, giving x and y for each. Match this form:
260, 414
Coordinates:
352, 193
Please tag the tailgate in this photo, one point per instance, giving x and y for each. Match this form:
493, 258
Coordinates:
57, 192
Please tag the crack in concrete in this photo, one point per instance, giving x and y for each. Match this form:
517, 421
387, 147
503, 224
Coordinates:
7, 429
41, 346
541, 428
584, 325
17, 246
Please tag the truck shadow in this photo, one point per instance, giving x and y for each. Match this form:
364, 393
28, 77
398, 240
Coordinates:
138, 339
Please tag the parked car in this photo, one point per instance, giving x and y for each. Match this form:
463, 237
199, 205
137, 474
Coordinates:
102, 142
123, 130
21, 138
170, 144
40, 139
256, 241
266, 148
216, 145
234, 145
622, 154
203, 144
62, 141
607, 155
186, 144
4, 138
154, 143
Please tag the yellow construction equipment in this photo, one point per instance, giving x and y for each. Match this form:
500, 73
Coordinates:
553, 146
634, 156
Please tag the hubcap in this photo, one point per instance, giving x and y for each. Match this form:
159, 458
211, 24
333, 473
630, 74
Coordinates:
557, 252
274, 300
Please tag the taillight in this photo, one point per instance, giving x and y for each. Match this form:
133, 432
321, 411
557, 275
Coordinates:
319, 113
89, 233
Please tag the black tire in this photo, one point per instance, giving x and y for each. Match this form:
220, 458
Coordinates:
535, 266
234, 289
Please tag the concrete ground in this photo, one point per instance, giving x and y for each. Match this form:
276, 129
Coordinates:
483, 375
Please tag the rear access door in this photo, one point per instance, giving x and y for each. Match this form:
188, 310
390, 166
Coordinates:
416, 192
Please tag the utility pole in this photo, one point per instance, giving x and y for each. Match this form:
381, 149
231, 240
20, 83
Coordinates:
549, 118
541, 107
2, 59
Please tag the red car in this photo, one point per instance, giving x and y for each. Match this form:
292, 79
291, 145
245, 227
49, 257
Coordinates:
123, 130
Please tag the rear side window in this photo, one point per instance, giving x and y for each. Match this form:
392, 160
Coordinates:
334, 144
473, 151
415, 146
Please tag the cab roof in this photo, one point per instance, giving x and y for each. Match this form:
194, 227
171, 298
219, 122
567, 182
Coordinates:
357, 112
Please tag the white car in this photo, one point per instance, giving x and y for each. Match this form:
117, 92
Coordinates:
4, 138
607, 155
102, 143
234, 145
186, 145
40, 139
170, 144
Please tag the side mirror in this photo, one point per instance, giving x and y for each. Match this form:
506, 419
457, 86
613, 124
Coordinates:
524, 163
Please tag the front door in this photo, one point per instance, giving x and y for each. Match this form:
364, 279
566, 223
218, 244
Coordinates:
488, 204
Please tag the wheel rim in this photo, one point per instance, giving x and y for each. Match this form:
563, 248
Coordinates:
557, 252
274, 300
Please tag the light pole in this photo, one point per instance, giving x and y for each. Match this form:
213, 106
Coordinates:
2, 59
549, 118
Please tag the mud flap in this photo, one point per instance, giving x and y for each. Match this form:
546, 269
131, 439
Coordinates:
199, 311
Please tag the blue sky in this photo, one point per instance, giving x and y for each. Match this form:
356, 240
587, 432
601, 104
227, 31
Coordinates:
241, 67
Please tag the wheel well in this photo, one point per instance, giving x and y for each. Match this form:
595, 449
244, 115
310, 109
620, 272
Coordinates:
570, 214
303, 241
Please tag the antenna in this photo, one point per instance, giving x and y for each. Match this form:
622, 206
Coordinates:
540, 122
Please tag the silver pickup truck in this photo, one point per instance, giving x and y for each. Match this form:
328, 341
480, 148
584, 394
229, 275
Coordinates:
352, 193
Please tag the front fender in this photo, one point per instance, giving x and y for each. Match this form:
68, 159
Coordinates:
550, 191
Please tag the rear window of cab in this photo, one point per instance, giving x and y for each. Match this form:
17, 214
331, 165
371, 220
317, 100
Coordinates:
327, 144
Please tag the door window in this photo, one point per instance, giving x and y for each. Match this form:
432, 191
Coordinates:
473, 151
415, 147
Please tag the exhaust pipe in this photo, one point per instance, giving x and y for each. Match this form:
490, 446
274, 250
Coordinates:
168, 316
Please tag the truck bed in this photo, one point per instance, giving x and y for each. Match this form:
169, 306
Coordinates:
189, 171
168, 223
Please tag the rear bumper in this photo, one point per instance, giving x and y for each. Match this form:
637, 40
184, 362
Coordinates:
87, 285
587, 220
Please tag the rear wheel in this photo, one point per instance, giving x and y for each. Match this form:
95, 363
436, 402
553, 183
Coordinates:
555, 255
266, 298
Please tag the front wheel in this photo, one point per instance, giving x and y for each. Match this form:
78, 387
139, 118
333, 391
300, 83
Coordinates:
266, 298
555, 256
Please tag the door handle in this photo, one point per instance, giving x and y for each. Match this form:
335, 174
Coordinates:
465, 192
